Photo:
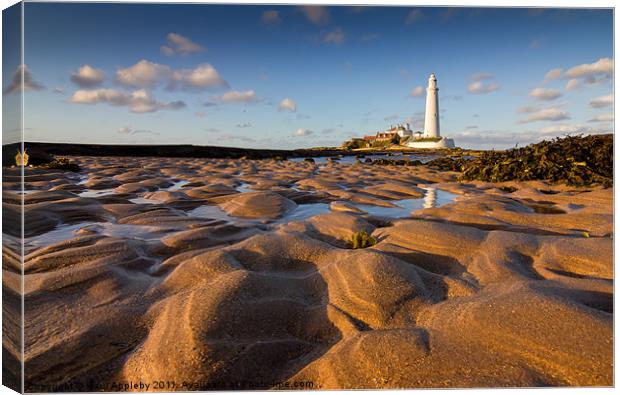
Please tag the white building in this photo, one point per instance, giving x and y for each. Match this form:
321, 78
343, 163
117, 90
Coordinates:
401, 130
431, 138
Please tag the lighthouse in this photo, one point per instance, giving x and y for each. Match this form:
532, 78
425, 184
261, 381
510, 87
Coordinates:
430, 137
431, 119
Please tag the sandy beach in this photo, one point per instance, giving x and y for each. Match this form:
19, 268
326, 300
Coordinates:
236, 274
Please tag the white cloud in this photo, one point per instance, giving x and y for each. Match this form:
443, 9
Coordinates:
29, 84
480, 87
202, 77
589, 73
568, 129
178, 44
544, 114
607, 117
238, 97
318, 15
144, 74
87, 76
602, 101
128, 130
288, 104
138, 101
545, 94
336, 36
270, 17
302, 132
414, 16
603, 66
417, 91
572, 84
553, 74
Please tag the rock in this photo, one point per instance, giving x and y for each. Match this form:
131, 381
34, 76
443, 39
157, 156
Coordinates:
261, 204
345, 207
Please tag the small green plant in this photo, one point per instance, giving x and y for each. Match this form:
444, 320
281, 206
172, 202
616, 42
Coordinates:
361, 240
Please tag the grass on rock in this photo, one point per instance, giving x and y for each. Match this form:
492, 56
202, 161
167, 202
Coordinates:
361, 240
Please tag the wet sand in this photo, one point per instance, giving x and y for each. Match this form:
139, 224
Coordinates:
236, 274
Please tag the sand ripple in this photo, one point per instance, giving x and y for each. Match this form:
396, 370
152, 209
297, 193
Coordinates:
502, 287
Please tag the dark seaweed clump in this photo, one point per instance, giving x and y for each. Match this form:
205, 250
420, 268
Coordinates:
394, 162
62, 164
448, 164
574, 160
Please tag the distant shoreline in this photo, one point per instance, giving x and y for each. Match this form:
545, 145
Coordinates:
199, 151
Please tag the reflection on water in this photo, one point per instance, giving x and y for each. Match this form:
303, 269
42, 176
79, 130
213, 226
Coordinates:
67, 232
244, 187
177, 185
25, 191
300, 213
141, 200
432, 198
305, 211
96, 193
403, 208
210, 212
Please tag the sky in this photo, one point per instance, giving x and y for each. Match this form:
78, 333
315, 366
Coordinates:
293, 76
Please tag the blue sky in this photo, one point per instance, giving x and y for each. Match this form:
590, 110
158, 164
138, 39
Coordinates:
220, 74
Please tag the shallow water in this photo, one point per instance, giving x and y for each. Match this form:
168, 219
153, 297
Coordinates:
432, 198
352, 158
211, 212
245, 187
176, 186
96, 192
141, 200
110, 229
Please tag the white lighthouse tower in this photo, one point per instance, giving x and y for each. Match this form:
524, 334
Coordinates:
431, 119
430, 137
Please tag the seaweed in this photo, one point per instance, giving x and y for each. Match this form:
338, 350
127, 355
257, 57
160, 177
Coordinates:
62, 164
575, 160
448, 164
361, 240
394, 162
